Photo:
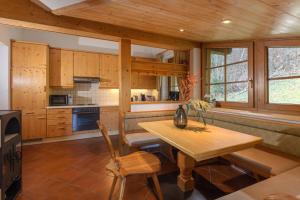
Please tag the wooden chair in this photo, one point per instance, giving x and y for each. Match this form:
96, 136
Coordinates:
139, 162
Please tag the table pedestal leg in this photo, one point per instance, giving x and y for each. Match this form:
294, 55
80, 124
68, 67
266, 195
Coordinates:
186, 165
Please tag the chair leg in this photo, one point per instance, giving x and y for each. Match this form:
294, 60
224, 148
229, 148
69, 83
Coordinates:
122, 189
157, 186
113, 187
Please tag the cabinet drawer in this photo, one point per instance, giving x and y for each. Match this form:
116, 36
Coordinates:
59, 117
59, 122
59, 111
55, 131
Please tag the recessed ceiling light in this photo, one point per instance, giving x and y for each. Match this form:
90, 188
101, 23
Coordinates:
226, 21
181, 30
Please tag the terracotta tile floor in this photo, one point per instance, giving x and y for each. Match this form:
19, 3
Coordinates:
75, 170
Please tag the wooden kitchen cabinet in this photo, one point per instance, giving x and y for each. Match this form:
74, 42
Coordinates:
109, 73
139, 81
59, 122
86, 64
61, 68
109, 116
25, 54
29, 86
33, 126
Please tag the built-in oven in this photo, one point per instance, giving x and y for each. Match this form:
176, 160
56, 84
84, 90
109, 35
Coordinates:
58, 100
85, 118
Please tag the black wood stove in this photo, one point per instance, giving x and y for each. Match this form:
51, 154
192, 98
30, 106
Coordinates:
10, 154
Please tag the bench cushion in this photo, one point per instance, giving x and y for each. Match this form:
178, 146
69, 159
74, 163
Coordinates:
141, 139
261, 162
287, 184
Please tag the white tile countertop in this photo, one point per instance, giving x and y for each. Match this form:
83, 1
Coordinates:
78, 106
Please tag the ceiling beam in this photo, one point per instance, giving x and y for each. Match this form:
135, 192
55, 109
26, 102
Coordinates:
26, 14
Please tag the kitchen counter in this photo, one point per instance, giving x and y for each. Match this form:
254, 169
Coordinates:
153, 102
80, 106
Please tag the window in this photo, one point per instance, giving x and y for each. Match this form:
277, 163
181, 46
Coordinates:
284, 75
227, 74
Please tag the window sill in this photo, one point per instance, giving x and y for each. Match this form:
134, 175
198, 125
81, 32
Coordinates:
278, 118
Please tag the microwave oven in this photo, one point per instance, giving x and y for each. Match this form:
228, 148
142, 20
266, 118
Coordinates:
58, 100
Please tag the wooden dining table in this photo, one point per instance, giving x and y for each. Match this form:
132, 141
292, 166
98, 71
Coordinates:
196, 143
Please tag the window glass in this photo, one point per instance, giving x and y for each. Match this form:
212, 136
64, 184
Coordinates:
283, 62
236, 55
217, 57
217, 92
284, 91
217, 75
228, 76
283, 75
237, 92
237, 72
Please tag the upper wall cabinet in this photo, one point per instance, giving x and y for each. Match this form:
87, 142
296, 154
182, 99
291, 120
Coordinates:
109, 76
29, 55
140, 81
61, 68
86, 64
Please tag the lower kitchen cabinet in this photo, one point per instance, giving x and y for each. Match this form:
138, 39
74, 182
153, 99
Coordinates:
109, 116
59, 122
33, 126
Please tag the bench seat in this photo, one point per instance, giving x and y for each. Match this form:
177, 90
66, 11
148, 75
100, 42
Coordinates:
286, 184
261, 162
141, 139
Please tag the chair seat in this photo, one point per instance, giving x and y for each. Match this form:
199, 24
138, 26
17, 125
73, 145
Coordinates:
141, 139
139, 162
261, 162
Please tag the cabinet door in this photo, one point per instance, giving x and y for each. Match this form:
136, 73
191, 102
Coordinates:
29, 55
92, 65
33, 126
109, 73
67, 64
109, 116
86, 64
61, 68
28, 88
139, 81
80, 64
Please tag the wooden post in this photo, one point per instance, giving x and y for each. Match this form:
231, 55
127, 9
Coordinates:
124, 84
186, 164
124, 74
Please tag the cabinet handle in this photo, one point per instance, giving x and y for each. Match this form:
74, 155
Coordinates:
41, 117
61, 117
62, 123
62, 128
29, 113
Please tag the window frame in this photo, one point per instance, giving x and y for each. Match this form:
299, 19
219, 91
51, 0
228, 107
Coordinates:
262, 74
249, 45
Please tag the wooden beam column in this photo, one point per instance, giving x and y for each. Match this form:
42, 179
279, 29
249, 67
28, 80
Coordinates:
124, 74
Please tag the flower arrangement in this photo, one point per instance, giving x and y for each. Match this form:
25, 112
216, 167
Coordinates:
198, 106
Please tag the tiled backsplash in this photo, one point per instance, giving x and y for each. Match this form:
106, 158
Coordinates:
89, 93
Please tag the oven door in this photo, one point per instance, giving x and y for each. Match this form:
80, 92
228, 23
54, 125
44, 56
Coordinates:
82, 121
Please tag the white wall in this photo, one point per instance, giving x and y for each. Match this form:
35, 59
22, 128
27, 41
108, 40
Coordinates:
195, 64
6, 34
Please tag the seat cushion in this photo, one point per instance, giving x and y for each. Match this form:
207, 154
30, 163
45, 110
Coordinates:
141, 139
261, 162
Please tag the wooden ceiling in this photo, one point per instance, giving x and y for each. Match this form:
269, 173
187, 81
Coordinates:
201, 19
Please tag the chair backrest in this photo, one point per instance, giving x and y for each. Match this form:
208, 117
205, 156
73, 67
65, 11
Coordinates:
107, 140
